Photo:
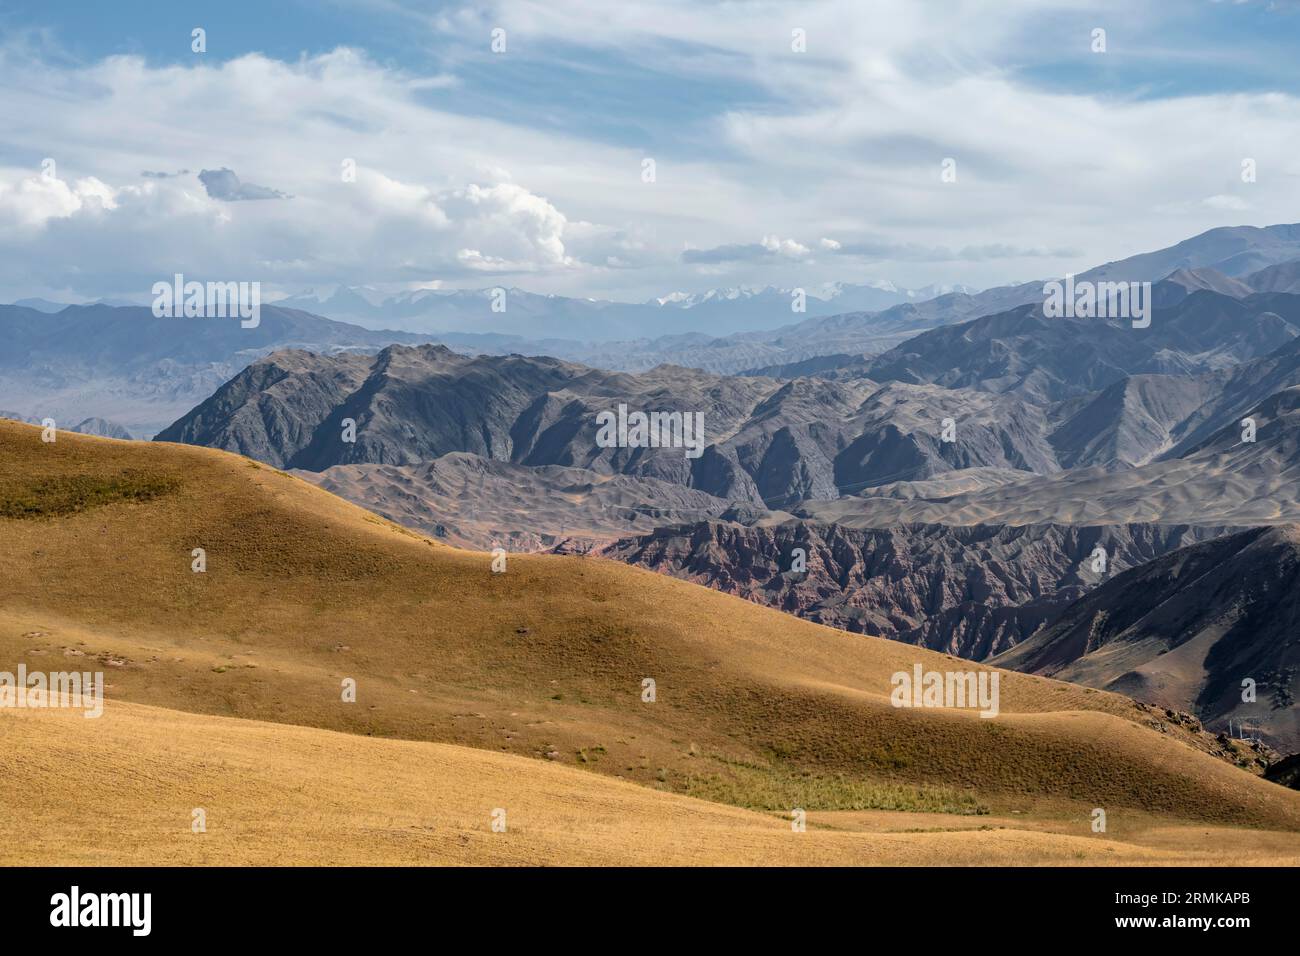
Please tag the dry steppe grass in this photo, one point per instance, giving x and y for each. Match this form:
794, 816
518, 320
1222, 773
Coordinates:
122, 790
544, 663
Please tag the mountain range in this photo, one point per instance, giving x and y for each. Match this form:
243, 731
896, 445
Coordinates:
948, 492
119, 363
530, 316
1036, 397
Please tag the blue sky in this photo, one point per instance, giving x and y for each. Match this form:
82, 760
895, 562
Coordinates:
772, 166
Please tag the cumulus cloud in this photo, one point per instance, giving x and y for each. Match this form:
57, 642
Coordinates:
32, 201
851, 133
89, 236
839, 147
375, 200
526, 230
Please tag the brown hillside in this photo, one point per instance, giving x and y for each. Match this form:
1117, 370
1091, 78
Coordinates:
546, 660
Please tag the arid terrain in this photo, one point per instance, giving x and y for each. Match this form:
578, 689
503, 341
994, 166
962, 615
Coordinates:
277, 795
523, 691
747, 434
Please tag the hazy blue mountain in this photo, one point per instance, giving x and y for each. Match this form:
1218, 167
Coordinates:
1051, 359
1283, 277
537, 317
125, 365
1235, 251
1220, 260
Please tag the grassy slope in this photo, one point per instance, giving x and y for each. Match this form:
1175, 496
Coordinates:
122, 789
754, 706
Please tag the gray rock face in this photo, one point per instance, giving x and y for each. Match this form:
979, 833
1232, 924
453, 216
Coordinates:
769, 442
1047, 360
1222, 481
1131, 422
772, 443
1187, 630
900, 436
476, 502
969, 591
1144, 418
416, 404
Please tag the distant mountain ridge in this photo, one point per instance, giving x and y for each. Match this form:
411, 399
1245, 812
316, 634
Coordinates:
769, 443
1221, 481
69, 377
88, 426
532, 317
125, 365
1051, 359
1211, 261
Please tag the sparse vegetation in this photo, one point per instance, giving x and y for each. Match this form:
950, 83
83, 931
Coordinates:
758, 788
757, 709
53, 497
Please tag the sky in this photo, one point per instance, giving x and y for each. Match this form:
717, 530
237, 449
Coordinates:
634, 149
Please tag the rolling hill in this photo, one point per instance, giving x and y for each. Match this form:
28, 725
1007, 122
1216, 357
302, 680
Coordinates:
545, 661
277, 795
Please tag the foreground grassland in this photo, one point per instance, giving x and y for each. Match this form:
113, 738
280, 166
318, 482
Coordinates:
122, 790
520, 689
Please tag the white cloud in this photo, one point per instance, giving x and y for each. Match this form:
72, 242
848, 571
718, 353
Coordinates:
33, 200
376, 229
528, 228
830, 171
785, 247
